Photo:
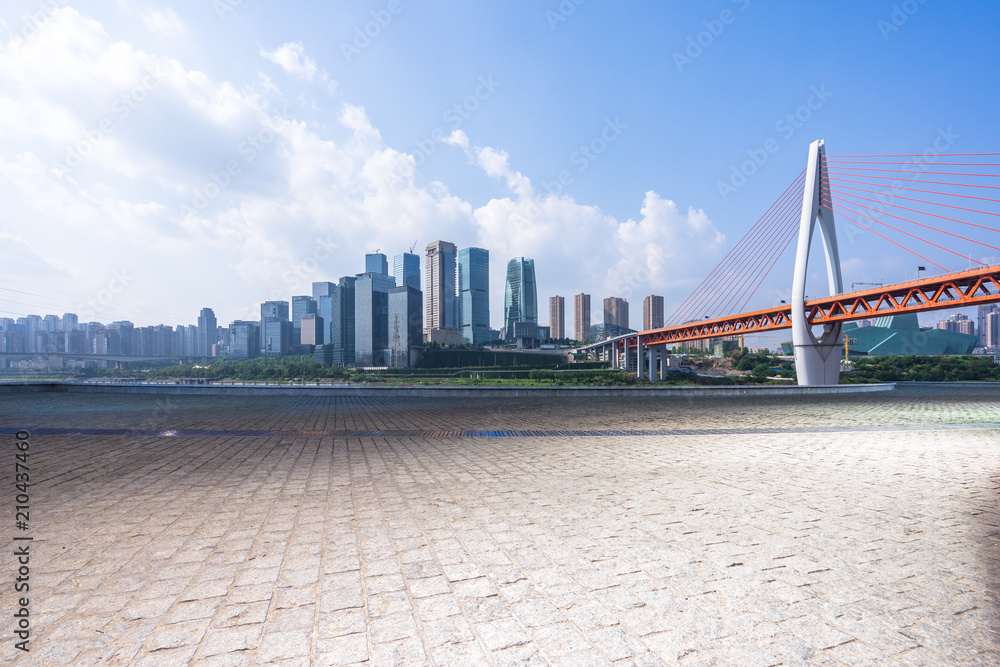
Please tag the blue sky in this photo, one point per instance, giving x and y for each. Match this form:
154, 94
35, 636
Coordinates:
255, 148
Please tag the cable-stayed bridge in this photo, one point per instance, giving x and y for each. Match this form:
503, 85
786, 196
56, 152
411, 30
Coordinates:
941, 209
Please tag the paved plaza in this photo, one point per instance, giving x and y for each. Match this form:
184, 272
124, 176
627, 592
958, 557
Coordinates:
837, 530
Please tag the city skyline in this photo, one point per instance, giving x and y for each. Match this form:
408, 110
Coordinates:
233, 156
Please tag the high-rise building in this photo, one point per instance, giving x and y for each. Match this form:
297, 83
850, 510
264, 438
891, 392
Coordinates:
275, 328
244, 339
376, 262
474, 295
207, 333
69, 321
311, 330
616, 311
992, 338
981, 316
557, 317
652, 312
581, 316
406, 324
406, 270
50, 323
520, 296
301, 306
371, 319
341, 325
958, 323
439, 293
321, 289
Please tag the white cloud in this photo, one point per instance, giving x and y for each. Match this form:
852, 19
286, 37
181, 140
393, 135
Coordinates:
293, 59
164, 22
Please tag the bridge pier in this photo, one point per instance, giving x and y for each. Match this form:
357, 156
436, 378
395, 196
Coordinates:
817, 360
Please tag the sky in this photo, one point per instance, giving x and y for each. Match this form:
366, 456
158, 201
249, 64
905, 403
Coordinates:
156, 159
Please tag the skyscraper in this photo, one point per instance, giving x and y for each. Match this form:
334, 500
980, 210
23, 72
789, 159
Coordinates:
474, 295
371, 318
992, 330
652, 312
207, 333
275, 329
520, 295
301, 306
323, 289
341, 325
557, 317
406, 270
406, 324
981, 318
616, 311
581, 316
376, 262
439, 294
244, 339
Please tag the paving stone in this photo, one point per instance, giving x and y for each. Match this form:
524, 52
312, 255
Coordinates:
721, 541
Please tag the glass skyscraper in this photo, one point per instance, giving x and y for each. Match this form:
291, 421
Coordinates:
275, 329
439, 293
376, 262
474, 294
371, 319
520, 295
406, 324
406, 269
244, 339
341, 325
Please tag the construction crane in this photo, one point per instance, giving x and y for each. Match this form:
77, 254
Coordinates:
412, 247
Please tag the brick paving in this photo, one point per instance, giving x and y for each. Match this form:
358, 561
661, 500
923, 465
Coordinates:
804, 547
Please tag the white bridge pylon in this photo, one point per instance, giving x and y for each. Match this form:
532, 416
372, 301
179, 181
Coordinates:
817, 360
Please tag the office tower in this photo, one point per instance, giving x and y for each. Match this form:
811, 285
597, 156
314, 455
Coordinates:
371, 319
323, 289
301, 306
376, 262
206, 333
324, 308
275, 328
406, 324
311, 330
439, 293
652, 312
244, 339
557, 318
474, 295
341, 325
520, 296
982, 314
991, 339
616, 311
406, 269
581, 316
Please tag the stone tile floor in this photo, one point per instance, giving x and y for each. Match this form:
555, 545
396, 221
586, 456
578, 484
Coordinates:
809, 547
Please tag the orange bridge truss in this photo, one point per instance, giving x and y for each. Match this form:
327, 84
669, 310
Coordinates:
953, 290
